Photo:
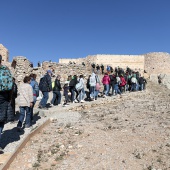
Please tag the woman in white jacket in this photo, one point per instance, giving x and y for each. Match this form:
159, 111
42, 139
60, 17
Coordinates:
25, 103
92, 86
82, 92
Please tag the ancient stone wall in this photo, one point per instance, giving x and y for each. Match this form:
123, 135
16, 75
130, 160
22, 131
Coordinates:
21, 68
4, 53
157, 63
72, 60
153, 63
132, 61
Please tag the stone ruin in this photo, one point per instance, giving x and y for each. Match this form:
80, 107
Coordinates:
153, 64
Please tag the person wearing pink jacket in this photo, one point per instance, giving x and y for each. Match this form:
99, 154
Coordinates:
106, 82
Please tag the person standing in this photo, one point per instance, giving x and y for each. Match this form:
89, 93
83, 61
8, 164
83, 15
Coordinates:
56, 92
65, 93
92, 86
5, 97
25, 103
81, 92
35, 88
73, 90
14, 95
102, 68
106, 83
45, 86
97, 69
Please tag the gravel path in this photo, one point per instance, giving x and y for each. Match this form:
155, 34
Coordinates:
129, 133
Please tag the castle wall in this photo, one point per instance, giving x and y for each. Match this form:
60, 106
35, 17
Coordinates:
67, 60
132, 61
4, 53
157, 63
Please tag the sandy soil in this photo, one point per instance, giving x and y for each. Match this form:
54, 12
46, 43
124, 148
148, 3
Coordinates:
128, 133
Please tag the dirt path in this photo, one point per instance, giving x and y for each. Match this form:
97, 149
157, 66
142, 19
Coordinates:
131, 133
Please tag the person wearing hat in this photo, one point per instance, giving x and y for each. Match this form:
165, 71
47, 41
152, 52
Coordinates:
5, 98
45, 86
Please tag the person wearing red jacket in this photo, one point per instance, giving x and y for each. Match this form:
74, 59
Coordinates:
106, 82
122, 84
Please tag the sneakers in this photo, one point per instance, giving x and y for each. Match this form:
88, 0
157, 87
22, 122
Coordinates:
51, 105
76, 101
82, 101
28, 127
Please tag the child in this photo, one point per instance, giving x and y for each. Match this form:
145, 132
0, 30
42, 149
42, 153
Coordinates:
65, 93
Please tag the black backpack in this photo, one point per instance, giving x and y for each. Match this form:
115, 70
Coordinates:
42, 83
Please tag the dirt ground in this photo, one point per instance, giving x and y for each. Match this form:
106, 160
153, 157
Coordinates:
128, 133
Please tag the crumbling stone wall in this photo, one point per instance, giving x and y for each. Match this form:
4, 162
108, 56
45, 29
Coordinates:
157, 63
21, 68
64, 69
132, 61
4, 53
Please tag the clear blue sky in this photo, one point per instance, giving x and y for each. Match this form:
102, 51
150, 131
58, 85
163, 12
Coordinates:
52, 29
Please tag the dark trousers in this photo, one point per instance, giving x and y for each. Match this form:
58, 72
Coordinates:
13, 105
56, 98
24, 111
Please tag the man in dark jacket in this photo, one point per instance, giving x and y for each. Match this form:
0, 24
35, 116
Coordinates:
46, 87
5, 115
56, 100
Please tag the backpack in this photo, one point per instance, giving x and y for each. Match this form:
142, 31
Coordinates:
118, 80
79, 86
133, 80
41, 83
6, 82
111, 77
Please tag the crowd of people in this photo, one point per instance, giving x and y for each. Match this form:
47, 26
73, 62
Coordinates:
75, 90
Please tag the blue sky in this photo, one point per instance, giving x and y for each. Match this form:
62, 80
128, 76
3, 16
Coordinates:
51, 29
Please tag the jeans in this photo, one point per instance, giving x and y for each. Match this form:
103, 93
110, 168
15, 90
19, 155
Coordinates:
117, 90
72, 93
35, 98
1, 128
56, 96
92, 91
24, 109
141, 87
111, 86
44, 99
106, 89
96, 93
66, 98
133, 87
81, 94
